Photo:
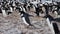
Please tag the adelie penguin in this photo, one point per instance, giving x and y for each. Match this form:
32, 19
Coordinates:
4, 12
53, 26
37, 10
25, 18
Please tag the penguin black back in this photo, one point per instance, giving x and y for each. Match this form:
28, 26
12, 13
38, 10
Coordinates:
55, 26
56, 29
26, 17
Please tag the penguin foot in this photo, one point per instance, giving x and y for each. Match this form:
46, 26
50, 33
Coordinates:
30, 27
33, 27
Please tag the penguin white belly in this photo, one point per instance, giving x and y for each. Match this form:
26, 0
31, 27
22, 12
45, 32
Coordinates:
34, 8
14, 8
35, 5
24, 21
13, 4
50, 26
4, 13
24, 10
11, 9
56, 8
21, 8
56, 14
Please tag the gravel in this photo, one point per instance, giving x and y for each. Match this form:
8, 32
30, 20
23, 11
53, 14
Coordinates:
13, 24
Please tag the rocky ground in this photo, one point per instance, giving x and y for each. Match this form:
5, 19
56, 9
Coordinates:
13, 24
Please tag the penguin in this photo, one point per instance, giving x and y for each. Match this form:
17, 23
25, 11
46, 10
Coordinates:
55, 11
19, 8
55, 8
4, 12
46, 8
37, 10
53, 26
23, 9
8, 9
25, 6
13, 5
28, 6
25, 18
40, 8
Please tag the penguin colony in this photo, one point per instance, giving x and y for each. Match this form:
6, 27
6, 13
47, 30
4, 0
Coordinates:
7, 7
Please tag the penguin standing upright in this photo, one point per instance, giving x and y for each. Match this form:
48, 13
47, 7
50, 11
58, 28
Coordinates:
46, 8
25, 18
53, 26
37, 10
3, 8
4, 13
55, 10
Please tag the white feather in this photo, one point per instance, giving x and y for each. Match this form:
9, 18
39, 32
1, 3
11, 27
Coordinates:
24, 21
34, 8
24, 9
4, 13
35, 5
13, 4
14, 8
55, 12
56, 8
50, 26
21, 14
21, 8
41, 4
28, 4
11, 9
